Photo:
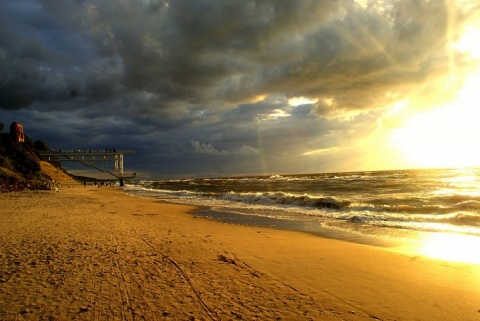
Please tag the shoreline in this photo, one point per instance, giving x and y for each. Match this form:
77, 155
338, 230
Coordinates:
96, 254
300, 226
402, 241
308, 227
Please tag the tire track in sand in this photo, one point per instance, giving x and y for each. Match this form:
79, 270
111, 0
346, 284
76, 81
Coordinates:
204, 306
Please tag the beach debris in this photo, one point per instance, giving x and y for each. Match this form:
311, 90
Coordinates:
84, 309
237, 315
355, 219
225, 259
254, 272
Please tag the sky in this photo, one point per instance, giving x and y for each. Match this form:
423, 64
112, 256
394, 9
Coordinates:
203, 88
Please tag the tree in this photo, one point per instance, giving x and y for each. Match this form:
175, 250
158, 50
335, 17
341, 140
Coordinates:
40, 145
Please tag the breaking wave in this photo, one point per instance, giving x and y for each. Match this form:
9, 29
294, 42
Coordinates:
425, 200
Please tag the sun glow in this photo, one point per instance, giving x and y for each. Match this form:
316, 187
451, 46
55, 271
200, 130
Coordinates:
446, 136
297, 101
452, 247
470, 42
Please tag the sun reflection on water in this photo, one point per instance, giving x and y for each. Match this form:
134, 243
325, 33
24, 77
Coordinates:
452, 247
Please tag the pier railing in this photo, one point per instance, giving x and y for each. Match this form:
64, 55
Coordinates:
91, 157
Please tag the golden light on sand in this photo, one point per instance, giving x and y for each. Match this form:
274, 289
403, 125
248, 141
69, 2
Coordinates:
452, 247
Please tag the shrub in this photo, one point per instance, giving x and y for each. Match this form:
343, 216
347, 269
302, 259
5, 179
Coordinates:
40, 146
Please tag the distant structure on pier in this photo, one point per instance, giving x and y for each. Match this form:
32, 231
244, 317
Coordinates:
94, 158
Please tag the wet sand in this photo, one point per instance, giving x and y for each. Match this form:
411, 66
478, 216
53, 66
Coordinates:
91, 253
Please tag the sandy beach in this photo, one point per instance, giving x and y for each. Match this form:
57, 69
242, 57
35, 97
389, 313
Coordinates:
88, 253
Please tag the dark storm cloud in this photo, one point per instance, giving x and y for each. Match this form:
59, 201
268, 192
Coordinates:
358, 59
209, 78
181, 54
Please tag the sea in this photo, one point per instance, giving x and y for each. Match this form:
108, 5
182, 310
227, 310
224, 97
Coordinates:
375, 207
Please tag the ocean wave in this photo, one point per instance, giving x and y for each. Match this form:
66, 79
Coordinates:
453, 198
450, 227
401, 209
463, 218
285, 199
160, 192
468, 204
363, 201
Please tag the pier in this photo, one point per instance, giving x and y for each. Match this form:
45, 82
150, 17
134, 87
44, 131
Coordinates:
95, 158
